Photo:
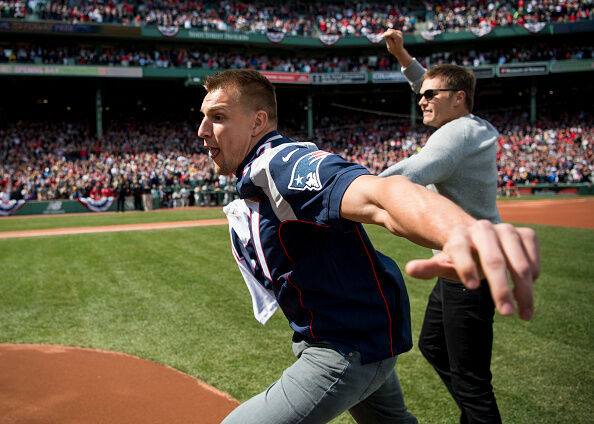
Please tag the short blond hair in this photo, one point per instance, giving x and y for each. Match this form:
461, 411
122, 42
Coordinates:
255, 90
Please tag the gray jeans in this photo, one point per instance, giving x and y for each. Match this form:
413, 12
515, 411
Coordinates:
321, 385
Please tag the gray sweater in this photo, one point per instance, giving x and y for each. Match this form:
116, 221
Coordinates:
458, 161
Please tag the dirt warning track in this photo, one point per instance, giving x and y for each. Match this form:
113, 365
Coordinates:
578, 213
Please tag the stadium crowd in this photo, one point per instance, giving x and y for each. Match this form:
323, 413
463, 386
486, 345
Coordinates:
193, 58
549, 152
301, 18
58, 160
455, 15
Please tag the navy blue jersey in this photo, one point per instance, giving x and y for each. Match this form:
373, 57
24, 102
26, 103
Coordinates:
329, 281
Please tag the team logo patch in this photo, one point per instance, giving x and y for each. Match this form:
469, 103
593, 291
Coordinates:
305, 175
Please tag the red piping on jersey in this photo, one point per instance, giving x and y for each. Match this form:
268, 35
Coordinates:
237, 257
293, 263
301, 303
380, 289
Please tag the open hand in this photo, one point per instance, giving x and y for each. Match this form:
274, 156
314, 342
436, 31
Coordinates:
493, 250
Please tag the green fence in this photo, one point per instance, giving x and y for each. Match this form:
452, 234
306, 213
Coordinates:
546, 189
55, 207
58, 207
221, 197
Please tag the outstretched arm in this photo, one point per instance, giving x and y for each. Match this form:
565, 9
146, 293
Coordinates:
428, 219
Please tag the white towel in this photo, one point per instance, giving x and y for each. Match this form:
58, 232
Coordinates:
263, 301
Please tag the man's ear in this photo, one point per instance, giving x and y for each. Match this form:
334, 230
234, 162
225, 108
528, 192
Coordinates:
460, 98
260, 122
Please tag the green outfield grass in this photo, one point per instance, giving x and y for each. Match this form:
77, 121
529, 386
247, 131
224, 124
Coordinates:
177, 298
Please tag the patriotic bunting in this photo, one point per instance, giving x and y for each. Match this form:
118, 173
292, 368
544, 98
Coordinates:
375, 38
99, 205
482, 30
430, 35
329, 39
10, 207
168, 31
535, 27
275, 37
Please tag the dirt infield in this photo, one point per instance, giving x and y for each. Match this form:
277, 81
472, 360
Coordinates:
55, 384
578, 212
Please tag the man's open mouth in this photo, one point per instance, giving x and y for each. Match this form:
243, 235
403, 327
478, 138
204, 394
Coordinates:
213, 152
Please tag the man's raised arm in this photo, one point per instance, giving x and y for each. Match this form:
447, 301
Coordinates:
395, 45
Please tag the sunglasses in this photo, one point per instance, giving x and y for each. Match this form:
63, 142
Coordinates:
429, 94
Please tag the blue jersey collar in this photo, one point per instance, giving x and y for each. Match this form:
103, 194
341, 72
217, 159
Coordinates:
264, 144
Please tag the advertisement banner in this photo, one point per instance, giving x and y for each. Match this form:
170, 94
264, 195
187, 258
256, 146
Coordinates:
339, 78
287, 77
575, 65
517, 70
48, 27
389, 76
216, 35
483, 72
63, 70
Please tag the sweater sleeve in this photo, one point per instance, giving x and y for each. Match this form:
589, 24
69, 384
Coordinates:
414, 74
438, 159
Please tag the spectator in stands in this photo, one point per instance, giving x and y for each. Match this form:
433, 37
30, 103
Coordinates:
121, 193
147, 198
302, 18
184, 194
45, 156
137, 195
176, 198
184, 58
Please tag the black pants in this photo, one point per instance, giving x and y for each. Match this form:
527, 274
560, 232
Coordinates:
457, 338
121, 204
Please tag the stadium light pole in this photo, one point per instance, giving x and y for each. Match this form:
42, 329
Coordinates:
533, 92
309, 113
413, 108
99, 110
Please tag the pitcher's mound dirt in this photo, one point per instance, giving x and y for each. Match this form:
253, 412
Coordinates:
45, 384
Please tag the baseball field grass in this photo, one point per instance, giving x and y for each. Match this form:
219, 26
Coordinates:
176, 297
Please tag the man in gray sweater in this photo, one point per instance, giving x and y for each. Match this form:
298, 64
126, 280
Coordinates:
459, 162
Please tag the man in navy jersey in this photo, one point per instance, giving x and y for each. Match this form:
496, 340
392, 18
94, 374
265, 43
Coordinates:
303, 242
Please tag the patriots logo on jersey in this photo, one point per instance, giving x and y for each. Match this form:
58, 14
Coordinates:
305, 174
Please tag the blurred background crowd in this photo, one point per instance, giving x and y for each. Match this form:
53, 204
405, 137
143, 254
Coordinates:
302, 18
60, 160
193, 58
